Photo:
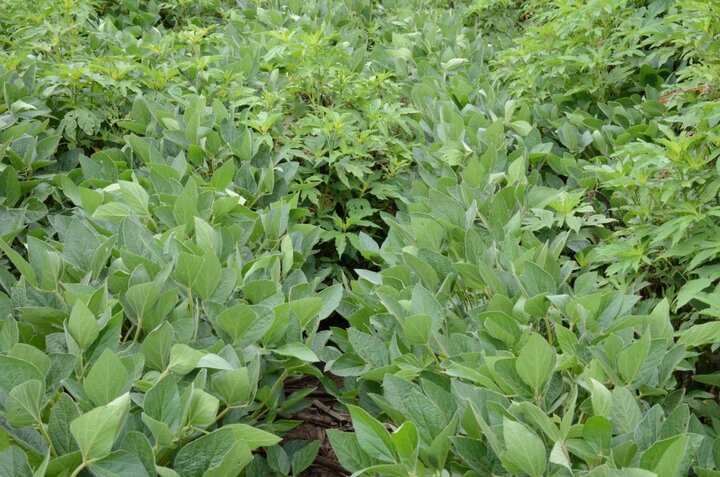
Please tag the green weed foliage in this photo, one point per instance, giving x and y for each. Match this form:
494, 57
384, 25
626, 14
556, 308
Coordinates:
485, 231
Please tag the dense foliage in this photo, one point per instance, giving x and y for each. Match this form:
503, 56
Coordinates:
459, 237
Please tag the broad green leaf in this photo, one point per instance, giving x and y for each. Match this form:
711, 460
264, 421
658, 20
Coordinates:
208, 275
118, 464
82, 325
480, 276
418, 328
14, 463
625, 412
348, 450
253, 437
63, 465
389, 470
223, 176
690, 290
81, 243
161, 432
537, 281
9, 332
406, 442
700, 335
32, 355
524, 450
632, 358
236, 320
206, 237
162, 402
20, 263
218, 453
24, 403
257, 290
186, 269
232, 386
165, 472
297, 350
501, 326
138, 445
648, 430
424, 303
667, 458
279, 460
41, 470
183, 359
372, 435
306, 309
303, 458
660, 325
601, 398
330, 297
135, 196
597, 432
440, 445
157, 345
63, 412
140, 301
10, 186
540, 420
368, 347
429, 417
107, 379
213, 361
14, 372
560, 456
96, 430
536, 362
202, 409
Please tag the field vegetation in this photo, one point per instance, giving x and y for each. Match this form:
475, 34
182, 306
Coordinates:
402, 238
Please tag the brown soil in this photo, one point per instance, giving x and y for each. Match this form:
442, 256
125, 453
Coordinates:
316, 420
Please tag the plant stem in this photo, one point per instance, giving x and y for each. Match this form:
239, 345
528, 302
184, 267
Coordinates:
81, 363
136, 337
43, 431
191, 310
128, 333
222, 413
549, 330
259, 412
79, 469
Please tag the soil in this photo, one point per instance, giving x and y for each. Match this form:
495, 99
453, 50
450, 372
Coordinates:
316, 420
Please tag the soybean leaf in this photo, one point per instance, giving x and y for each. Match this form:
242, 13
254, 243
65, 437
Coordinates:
302, 459
14, 372
524, 450
14, 462
418, 328
297, 350
157, 345
372, 435
217, 453
536, 362
232, 386
107, 379
82, 325
118, 464
348, 450
667, 458
253, 437
24, 403
63, 412
96, 430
